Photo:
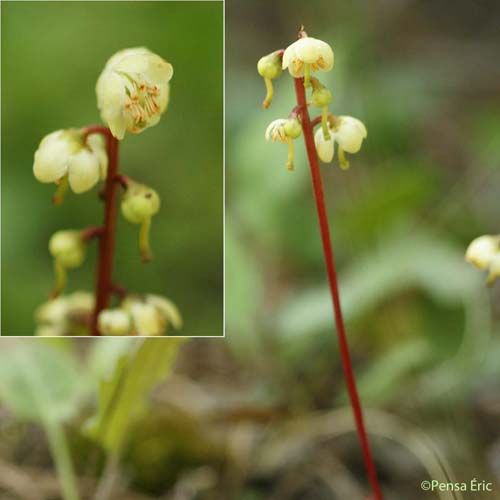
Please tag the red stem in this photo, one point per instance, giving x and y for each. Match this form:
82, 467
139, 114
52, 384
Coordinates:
332, 279
104, 284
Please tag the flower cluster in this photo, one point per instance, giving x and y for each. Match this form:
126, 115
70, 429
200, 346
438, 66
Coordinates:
484, 253
132, 93
302, 58
144, 316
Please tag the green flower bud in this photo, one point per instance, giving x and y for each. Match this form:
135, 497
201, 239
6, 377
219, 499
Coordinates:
139, 203
321, 97
292, 128
68, 248
270, 66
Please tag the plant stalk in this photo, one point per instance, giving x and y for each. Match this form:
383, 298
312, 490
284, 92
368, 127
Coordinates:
317, 184
104, 283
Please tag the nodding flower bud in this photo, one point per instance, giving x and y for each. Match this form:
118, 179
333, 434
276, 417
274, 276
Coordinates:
269, 67
114, 322
139, 204
133, 90
321, 97
65, 157
305, 55
284, 131
494, 273
68, 249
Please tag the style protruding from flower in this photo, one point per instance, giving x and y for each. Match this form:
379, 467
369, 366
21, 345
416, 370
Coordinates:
484, 253
269, 68
305, 55
139, 204
347, 132
66, 158
150, 315
68, 248
285, 131
133, 90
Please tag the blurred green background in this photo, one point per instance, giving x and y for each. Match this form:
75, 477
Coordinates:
52, 54
423, 328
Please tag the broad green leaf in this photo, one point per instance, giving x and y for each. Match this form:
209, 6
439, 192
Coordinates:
39, 382
123, 396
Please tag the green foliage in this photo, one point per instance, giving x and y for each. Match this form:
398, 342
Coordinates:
40, 383
122, 396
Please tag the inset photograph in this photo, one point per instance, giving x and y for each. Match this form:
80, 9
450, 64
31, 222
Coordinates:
112, 168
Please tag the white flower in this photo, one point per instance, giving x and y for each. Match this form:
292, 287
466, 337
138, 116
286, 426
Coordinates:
325, 148
133, 90
307, 50
483, 250
349, 133
64, 153
276, 131
114, 322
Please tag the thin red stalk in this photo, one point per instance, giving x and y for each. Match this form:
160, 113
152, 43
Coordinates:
317, 183
104, 284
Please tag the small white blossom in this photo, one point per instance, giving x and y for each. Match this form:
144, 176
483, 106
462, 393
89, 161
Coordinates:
349, 133
133, 90
114, 322
64, 153
483, 250
276, 131
307, 50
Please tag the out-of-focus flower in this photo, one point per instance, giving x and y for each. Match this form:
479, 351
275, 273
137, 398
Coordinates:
114, 322
65, 155
68, 247
482, 250
151, 315
65, 315
484, 253
133, 90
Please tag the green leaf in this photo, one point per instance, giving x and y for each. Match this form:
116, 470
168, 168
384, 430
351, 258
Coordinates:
39, 382
123, 396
